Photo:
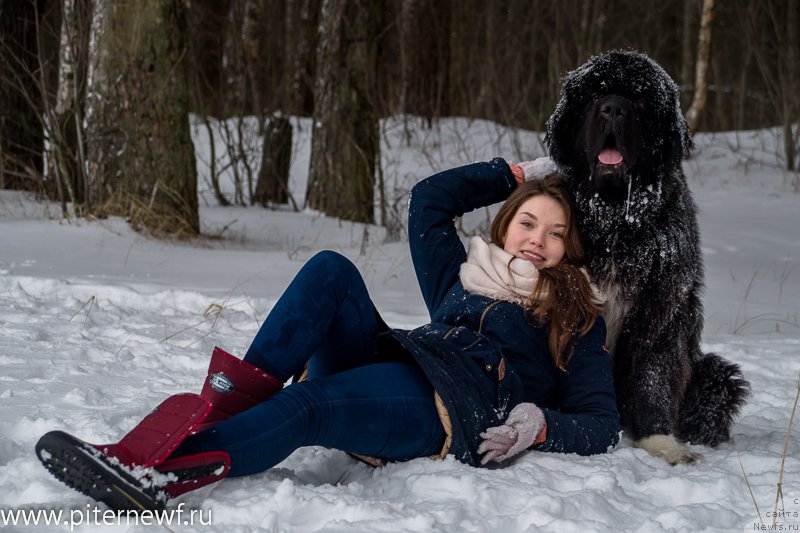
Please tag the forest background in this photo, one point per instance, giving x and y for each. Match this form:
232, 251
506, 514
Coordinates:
101, 103
96, 96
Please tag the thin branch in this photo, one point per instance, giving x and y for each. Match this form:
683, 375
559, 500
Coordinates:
779, 492
749, 488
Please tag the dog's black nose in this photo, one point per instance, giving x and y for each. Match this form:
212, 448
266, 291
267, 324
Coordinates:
614, 108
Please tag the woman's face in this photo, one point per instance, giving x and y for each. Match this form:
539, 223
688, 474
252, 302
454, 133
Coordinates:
536, 233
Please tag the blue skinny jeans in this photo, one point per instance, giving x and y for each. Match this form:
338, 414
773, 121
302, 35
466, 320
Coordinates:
353, 400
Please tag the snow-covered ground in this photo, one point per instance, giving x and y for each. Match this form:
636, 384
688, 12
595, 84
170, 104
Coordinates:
98, 324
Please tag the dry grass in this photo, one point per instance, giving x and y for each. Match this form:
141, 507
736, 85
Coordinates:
165, 214
779, 489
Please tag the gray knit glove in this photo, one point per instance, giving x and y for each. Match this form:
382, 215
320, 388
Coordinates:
517, 434
538, 168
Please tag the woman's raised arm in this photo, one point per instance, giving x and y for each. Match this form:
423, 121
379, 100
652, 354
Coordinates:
434, 203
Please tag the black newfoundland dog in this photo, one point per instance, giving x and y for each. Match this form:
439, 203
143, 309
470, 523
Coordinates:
619, 136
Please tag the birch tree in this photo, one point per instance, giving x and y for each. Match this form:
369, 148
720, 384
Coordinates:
701, 68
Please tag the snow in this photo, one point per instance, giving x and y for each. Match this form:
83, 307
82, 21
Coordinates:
98, 324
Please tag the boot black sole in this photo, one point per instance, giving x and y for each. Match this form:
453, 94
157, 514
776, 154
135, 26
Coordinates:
83, 468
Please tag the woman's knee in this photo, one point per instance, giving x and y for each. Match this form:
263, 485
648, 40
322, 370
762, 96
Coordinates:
328, 261
332, 269
331, 260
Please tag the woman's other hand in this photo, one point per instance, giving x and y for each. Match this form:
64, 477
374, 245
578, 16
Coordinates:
520, 431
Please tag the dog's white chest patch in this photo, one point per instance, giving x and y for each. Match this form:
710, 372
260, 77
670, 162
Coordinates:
615, 310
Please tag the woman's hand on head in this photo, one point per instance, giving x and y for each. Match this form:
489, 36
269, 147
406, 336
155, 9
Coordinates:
536, 168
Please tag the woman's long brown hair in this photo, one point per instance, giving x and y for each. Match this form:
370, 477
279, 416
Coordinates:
562, 299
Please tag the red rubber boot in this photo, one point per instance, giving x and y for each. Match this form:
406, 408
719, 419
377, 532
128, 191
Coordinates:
136, 473
233, 386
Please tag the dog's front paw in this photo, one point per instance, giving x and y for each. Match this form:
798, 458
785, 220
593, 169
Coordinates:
669, 449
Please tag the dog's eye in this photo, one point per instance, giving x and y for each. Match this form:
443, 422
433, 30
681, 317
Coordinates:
640, 103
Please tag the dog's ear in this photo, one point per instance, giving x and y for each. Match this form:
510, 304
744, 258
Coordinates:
564, 123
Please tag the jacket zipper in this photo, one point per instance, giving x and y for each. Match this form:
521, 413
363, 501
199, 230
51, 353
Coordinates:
485, 311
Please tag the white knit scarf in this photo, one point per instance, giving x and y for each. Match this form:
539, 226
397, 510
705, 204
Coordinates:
490, 271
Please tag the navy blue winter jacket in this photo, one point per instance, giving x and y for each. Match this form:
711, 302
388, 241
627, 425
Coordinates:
484, 356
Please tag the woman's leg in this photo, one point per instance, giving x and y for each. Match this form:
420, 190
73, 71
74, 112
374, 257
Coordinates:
325, 312
384, 410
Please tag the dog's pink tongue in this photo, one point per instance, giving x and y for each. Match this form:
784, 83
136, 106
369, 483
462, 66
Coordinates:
610, 156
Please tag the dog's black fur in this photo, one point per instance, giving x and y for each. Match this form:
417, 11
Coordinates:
639, 225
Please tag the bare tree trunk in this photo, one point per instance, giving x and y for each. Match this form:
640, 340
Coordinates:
345, 141
464, 32
69, 150
21, 132
687, 54
739, 123
206, 22
421, 57
208, 27
268, 42
792, 89
701, 68
590, 29
273, 176
302, 21
234, 103
142, 151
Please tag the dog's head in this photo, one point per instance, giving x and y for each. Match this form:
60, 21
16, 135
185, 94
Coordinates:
618, 117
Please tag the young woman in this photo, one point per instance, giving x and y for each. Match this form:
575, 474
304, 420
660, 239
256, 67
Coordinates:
513, 358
